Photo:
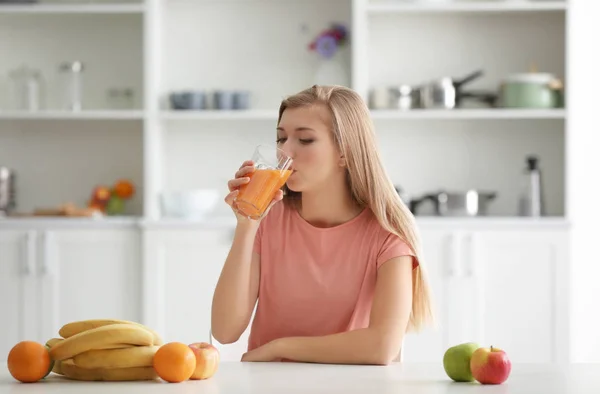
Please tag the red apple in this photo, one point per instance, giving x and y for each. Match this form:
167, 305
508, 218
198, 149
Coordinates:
490, 365
101, 194
207, 360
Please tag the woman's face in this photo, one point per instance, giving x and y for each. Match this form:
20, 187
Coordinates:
305, 134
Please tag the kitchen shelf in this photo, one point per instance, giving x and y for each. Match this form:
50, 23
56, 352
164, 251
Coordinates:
220, 115
72, 9
496, 7
64, 115
470, 114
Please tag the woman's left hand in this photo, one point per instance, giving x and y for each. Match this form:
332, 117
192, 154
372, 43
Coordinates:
265, 353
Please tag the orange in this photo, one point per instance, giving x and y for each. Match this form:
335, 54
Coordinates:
174, 362
28, 361
124, 189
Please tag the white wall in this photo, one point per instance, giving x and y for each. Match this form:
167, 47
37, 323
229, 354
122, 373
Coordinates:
583, 181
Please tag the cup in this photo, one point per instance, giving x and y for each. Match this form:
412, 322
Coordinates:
271, 171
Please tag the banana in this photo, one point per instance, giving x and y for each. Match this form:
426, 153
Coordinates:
100, 337
74, 328
53, 341
137, 356
57, 367
72, 371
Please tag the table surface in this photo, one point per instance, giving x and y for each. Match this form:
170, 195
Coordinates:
289, 378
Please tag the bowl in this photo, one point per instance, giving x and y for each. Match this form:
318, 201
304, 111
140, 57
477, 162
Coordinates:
190, 204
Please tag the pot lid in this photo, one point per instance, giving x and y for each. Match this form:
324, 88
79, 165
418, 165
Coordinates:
541, 78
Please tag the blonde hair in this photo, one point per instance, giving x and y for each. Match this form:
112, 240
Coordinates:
369, 184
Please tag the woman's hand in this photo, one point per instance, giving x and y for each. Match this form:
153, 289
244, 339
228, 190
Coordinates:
264, 353
241, 177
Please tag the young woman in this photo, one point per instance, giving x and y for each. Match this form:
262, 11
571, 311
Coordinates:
335, 264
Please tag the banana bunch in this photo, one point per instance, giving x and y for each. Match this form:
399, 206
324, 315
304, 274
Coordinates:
104, 350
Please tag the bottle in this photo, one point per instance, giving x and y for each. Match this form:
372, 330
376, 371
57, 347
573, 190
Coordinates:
530, 201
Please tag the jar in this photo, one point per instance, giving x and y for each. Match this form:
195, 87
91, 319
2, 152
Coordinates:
72, 82
26, 89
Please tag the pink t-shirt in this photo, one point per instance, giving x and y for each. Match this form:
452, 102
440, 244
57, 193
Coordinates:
317, 281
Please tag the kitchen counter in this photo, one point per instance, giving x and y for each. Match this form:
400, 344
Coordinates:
289, 378
228, 222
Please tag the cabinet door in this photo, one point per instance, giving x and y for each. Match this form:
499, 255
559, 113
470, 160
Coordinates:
183, 268
522, 296
438, 254
18, 306
89, 274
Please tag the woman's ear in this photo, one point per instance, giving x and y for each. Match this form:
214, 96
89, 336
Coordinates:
342, 161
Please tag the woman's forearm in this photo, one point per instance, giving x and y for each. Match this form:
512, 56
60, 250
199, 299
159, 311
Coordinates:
236, 291
363, 346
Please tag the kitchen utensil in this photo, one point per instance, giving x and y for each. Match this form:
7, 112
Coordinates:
120, 98
468, 203
72, 76
188, 100
531, 90
223, 100
26, 88
404, 97
241, 99
379, 98
530, 200
8, 200
191, 204
444, 93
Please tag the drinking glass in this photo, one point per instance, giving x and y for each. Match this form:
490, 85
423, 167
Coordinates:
271, 171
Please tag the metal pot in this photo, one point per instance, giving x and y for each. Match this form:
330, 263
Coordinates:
445, 92
7, 191
404, 97
469, 203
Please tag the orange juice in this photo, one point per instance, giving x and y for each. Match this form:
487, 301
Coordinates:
255, 196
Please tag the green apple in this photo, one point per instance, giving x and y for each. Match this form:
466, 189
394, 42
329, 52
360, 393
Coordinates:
457, 362
115, 205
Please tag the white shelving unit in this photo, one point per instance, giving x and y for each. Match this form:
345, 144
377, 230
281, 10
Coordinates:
386, 7
80, 115
208, 45
83, 9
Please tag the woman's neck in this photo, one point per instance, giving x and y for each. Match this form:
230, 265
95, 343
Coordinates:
329, 206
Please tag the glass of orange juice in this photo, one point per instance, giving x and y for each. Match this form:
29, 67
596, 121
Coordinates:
271, 171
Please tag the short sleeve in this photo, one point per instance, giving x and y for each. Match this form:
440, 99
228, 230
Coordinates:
393, 246
258, 238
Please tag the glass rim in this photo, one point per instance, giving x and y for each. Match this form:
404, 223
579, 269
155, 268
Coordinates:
284, 162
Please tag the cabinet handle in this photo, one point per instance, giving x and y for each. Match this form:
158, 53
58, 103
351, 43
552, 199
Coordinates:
453, 256
47, 259
29, 247
469, 260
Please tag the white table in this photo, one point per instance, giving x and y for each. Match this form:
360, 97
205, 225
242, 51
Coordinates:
290, 378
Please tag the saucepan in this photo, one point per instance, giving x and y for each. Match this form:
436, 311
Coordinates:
468, 203
445, 92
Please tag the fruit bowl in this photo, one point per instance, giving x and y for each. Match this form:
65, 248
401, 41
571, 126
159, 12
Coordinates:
191, 204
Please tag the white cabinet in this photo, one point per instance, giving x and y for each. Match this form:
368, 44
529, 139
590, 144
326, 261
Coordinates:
182, 270
89, 274
507, 288
49, 277
18, 303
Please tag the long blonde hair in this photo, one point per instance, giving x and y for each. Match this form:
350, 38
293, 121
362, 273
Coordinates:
354, 134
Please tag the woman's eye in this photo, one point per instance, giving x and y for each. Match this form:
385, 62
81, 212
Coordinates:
280, 140
306, 141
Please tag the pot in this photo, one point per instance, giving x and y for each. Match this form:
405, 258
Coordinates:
468, 203
531, 90
404, 97
445, 92
8, 201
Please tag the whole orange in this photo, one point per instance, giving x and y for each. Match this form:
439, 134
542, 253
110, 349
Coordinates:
124, 188
174, 362
28, 361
